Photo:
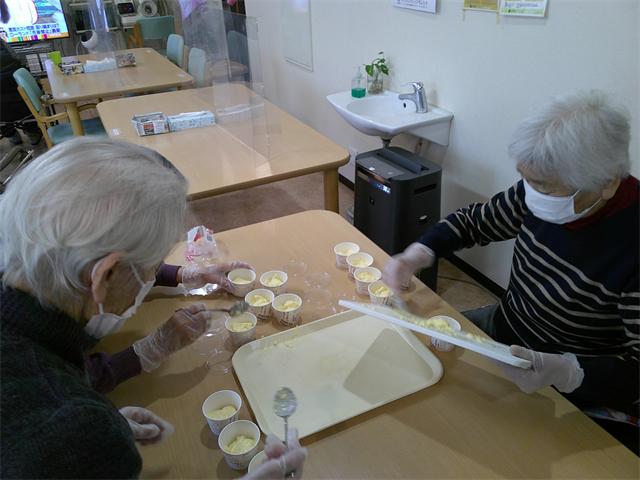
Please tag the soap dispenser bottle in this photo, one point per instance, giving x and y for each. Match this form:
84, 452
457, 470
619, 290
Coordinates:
358, 85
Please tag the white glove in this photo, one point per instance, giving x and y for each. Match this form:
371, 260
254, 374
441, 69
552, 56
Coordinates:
280, 464
561, 371
199, 276
401, 266
147, 427
182, 329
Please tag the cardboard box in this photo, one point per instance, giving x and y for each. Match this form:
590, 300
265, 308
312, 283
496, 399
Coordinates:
191, 120
150, 123
71, 68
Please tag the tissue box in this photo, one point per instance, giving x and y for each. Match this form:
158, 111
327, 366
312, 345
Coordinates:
71, 68
176, 122
126, 60
150, 124
90, 67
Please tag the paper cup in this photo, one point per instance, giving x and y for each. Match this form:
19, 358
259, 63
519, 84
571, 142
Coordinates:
262, 312
257, 460
245, 336
244, 275
342, 252
287, 317
379, 299
216, 401
266, 278
441, 345
358, 258
362, 286
239, 461
406, 282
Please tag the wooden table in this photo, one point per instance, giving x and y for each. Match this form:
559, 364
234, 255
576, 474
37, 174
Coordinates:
226, 157
152, 72
473, 423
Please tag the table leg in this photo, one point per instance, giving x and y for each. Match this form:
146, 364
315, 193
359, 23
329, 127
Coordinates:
74, 119
331, 190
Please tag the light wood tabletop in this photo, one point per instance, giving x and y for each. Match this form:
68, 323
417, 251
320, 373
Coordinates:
472, 424
232, 156
152, 72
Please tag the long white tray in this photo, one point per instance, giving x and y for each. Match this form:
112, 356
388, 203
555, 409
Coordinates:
486, 346
338, 367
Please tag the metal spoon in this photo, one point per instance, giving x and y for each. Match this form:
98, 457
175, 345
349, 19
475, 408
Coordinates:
284, 404
236, 309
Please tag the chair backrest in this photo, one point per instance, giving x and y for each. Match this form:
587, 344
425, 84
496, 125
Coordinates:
155, 28
175, 49
197, 67
25, 80
238, 48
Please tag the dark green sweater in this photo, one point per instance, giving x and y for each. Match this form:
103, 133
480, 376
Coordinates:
54, 425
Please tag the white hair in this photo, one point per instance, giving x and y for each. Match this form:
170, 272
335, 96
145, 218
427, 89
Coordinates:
581, 140
82, 200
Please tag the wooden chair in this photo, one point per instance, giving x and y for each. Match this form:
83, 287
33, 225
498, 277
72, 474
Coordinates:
53, 132
199, 68
152, 28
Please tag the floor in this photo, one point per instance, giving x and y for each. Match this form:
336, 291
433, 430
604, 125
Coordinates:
258, 204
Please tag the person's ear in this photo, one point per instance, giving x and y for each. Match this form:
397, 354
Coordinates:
610, 190
102, 275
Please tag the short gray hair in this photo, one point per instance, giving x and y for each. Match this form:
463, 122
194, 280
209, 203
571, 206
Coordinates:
82, 200
581, 140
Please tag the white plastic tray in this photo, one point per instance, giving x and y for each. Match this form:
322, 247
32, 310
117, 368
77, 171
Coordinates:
487, 347
338, 367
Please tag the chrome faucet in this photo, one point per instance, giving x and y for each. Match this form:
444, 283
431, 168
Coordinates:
419, 97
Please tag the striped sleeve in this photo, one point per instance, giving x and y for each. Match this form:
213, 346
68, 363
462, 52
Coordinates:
479, 224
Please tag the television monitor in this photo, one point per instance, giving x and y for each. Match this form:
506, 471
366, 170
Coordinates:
29, 20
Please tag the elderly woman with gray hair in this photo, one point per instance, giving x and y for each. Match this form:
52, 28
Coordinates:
84, 229
572, 303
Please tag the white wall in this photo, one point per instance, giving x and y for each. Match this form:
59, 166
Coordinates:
488, 75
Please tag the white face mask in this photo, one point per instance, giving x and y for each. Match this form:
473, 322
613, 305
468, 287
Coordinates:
108, 323
558, 210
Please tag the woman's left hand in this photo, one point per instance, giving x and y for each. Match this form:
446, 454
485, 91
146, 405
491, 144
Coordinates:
147, 427
198, 276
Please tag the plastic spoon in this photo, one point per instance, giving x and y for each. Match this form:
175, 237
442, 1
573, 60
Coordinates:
236, 309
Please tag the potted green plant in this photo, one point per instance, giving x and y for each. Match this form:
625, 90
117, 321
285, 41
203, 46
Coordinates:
374, 74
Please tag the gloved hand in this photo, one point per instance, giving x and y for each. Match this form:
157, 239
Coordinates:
199, 276
562, 371
401, 266
280, 464
183, 328
147, 427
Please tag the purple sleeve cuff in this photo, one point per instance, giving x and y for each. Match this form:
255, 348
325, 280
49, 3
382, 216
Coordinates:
167, 276
106, 371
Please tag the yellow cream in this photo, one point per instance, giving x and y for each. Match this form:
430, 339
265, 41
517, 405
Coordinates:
240, 281
383, 291
258, 300
366, 276
241, 444
241, 326
224, 412
289, 305
273, 281
361, 263
347, 252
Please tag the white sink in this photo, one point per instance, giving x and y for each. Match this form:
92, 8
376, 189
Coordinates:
385, 116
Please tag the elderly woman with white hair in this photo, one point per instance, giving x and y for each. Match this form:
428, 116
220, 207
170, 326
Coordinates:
84, 229
572, 303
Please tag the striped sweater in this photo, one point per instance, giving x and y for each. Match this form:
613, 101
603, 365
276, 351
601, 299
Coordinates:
570, 290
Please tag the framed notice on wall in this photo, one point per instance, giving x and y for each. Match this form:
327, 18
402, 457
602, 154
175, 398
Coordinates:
296, 32
423, 5
527, 9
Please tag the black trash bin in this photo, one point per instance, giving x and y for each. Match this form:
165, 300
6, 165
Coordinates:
397, 198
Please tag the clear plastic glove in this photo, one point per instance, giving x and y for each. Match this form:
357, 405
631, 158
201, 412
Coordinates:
561, 371
147, 427
182, 329
280, 464
401, 266
198, 276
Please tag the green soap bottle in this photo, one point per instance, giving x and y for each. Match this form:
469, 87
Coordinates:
358, 85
